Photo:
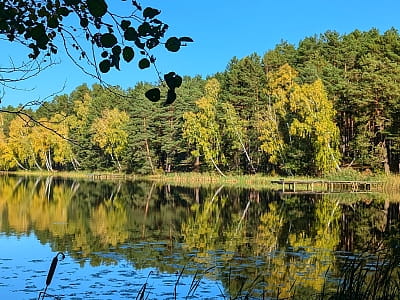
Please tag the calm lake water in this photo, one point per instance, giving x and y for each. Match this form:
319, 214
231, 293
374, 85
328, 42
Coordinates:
193, 243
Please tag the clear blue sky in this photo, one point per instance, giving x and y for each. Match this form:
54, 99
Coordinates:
221, 30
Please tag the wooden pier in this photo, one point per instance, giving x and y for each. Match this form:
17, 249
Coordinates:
327, 186
106, 176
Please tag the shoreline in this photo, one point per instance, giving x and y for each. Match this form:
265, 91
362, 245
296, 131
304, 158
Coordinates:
391, 182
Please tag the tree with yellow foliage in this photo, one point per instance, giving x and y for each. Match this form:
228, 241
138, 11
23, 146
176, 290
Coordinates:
299, 119
109, 132
202, 130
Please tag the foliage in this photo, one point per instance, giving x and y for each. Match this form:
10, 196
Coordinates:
202, 129
330, 103
93, 26
300, 115
109, 132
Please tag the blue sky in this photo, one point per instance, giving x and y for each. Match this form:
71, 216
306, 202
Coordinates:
221, 30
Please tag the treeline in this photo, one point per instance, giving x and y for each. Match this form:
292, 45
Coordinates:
332, 101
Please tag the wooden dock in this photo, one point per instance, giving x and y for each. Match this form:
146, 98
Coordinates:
327, 186
106, 176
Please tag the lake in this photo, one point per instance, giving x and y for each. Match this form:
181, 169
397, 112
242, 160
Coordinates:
121, 239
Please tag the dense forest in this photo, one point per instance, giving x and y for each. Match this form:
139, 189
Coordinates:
330, 102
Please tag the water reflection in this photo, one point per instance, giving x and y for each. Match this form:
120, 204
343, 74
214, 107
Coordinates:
241, 240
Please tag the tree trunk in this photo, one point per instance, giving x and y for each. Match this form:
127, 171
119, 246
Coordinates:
48, 161
37, 164
19, 165
196, 167
385, 158
148, 148
216, 167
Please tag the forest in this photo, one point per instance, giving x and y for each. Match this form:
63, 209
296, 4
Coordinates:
332, 101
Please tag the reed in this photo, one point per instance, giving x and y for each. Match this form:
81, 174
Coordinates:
370, 277
392, 183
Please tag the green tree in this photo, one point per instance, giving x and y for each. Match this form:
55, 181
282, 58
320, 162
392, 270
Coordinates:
141, 155
242, 86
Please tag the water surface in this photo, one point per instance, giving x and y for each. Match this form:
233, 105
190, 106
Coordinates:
200, 243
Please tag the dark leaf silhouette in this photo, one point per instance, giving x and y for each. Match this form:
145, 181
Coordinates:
108, 40
128, 53
171, 97
173, 44
97, 8
186, 39
173, 80
144, 63
105, 66
153, 95
150, 12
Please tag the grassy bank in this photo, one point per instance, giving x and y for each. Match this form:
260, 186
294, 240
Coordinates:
391, 182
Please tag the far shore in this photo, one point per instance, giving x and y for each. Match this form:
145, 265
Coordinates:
391, 182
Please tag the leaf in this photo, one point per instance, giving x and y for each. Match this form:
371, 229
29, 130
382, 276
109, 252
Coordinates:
150, 12
115, 59
108, 40
116, 50
125, 24
171, 96
105, 66
153, 95
63, 11
144, 29
97, 8
38, 31
140, 45
39, 35
144, 63
72, 2
173, 44
186, 39
136, 4
52, 22
128, 53
173, 80
104, 54
151, 43
130, 34
84, 22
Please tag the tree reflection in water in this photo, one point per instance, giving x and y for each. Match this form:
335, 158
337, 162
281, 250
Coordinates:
254, 241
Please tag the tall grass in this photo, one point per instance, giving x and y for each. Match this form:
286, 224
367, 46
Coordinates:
370, 278
363, 277
392, 183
